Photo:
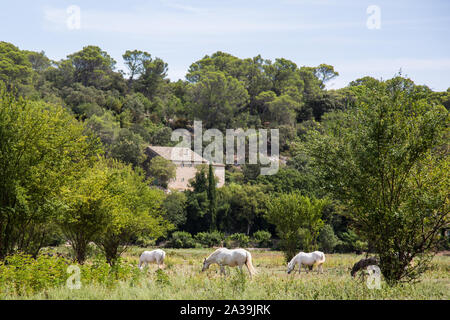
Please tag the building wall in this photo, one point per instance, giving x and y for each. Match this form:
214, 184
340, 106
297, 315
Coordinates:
183, 175
186, 172
219, 171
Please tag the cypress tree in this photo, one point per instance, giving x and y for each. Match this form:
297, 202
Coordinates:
212, 197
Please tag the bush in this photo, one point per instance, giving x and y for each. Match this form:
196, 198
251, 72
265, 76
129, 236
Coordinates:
361, 246
263, 238
238, 240
292, 213
210, 239
162, 278
144, 242
348, 242
181, 239
54, 239
100, 271
21, 274
327, 239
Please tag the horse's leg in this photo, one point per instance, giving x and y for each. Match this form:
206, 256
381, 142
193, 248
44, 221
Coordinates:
240, 268
222, 270
320, 268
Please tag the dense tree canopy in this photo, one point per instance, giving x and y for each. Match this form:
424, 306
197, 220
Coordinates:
42, 146
386, 158
378, 149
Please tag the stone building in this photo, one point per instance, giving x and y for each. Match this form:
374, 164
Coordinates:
186, 161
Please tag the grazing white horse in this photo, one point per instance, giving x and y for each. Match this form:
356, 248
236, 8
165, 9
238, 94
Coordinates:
307, 259
147, 257
225, 257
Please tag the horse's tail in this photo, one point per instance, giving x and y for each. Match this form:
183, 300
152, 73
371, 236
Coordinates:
322, 258
249, 264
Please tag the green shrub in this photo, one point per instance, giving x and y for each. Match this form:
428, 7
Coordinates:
263, 238
210, 239
162, 278
21, 274
181, 239
361, 246
327, 239
349, 242
144, 242
54, 239
238, 239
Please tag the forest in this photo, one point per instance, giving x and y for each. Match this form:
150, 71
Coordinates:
364, 168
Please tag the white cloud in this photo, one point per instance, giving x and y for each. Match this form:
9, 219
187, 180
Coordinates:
185, 20
55, 17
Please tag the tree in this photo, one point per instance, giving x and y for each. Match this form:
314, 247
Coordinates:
241, 207
197, 205
135, 60
135, 210
41, 147
216, 98
283, 73
212, 197
325, 73
174, 206
105, 127
219, 61
249, 72
296, 217
327, 239
85, 208
138, 105
128, 147
92, 66
39, 61
386, 159
162, 170
287, 180
110, 204
282, 110
153, 77
15, 68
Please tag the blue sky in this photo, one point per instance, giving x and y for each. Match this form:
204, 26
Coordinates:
413, 36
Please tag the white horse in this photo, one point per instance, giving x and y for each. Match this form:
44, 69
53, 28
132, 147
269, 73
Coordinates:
225, 257
147, 257
307, 259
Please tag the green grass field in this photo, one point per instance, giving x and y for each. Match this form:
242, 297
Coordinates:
181, 278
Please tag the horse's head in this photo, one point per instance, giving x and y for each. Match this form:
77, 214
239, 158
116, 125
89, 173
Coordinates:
290, 267
205, 265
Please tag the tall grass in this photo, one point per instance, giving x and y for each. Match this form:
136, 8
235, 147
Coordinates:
182, 278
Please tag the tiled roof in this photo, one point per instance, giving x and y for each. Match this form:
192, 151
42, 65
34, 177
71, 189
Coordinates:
179, 154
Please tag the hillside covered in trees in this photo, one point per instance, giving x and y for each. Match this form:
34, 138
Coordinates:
85, 125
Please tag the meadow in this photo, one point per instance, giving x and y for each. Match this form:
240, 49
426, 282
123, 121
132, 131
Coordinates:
181, 278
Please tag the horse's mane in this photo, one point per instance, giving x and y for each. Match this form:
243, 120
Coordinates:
214, 253
292, 260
